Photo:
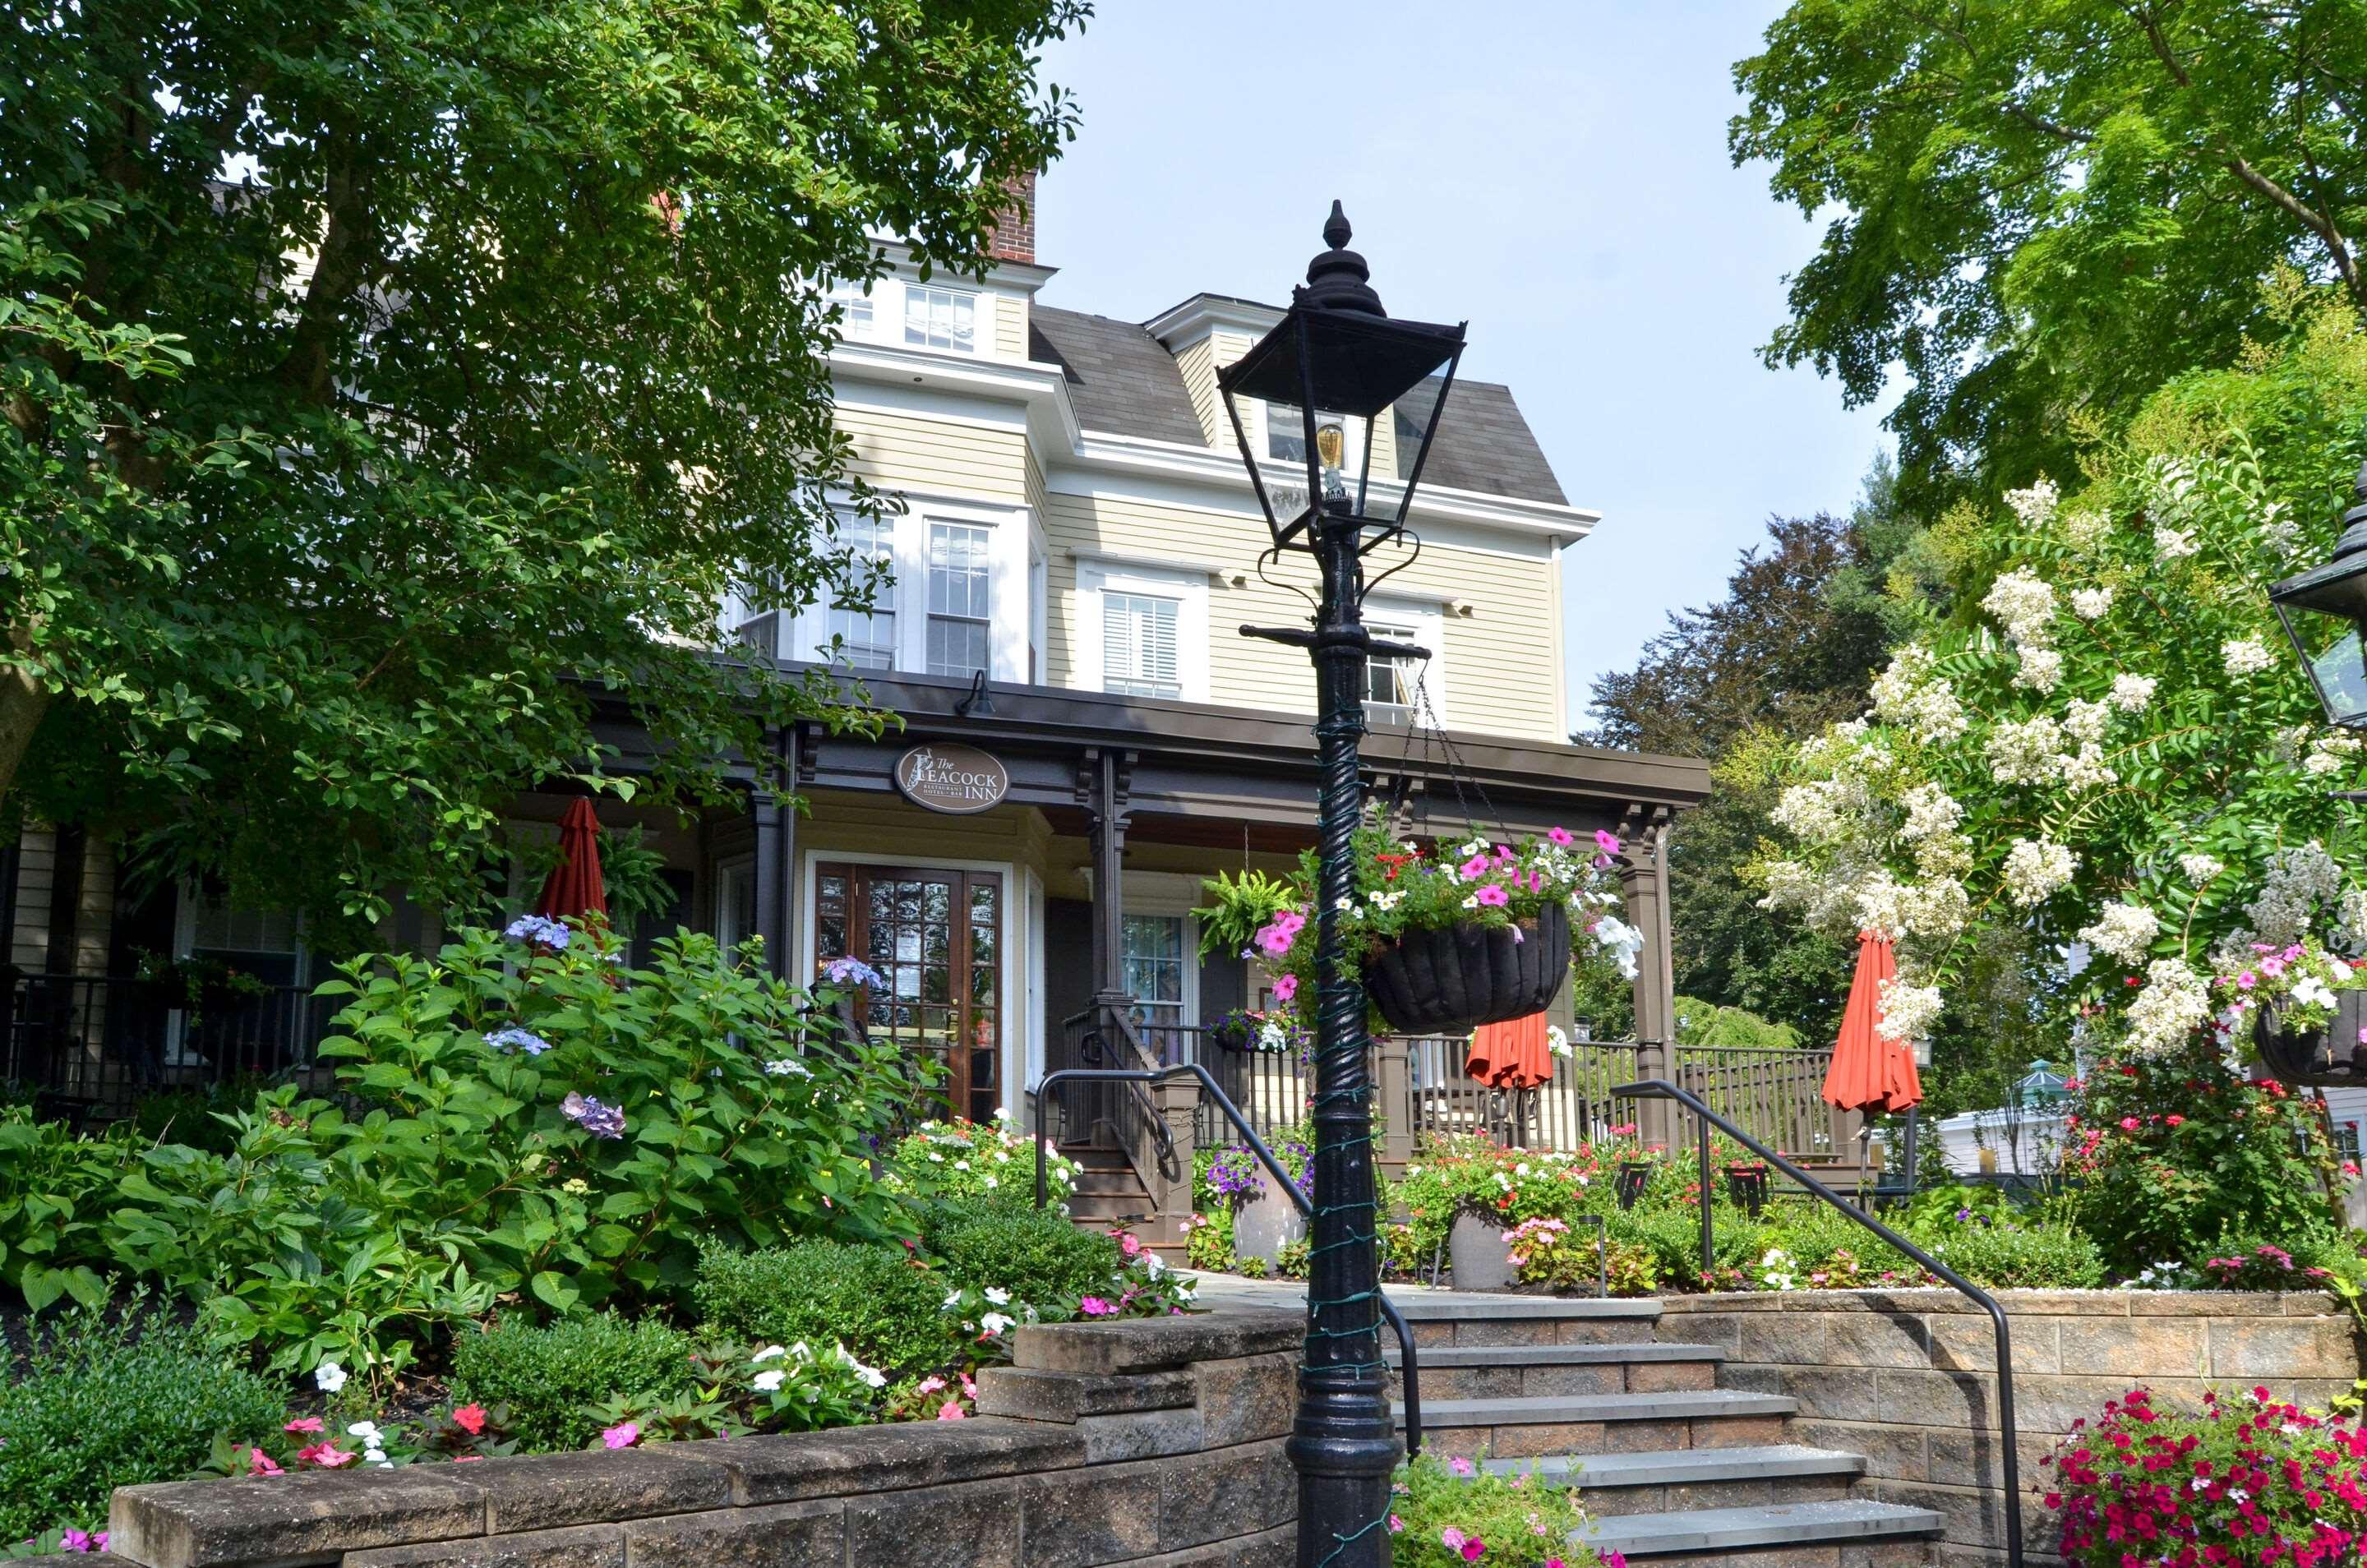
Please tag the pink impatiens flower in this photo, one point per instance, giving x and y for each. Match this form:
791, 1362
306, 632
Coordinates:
303, 1423
1093, 1306
261, 1463
621, 1437
951, 1410
470, 1419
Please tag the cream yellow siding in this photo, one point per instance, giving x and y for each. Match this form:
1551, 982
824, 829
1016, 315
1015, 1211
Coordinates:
1496, 668
1010, 326
896, 450
37, 867
1200, 381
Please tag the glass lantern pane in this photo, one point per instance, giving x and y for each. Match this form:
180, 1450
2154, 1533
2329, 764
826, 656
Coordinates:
2330, 646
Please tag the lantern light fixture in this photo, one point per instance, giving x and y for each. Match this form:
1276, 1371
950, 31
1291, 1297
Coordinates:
2323, 611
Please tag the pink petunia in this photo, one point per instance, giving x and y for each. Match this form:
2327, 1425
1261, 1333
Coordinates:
621, 1437
1561, 836
1493, 895
2247, 980
1285, 987
1473, 869
1607, 842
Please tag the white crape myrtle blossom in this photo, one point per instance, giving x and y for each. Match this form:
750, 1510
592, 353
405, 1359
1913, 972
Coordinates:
2330, 754
2172, 1004
2132, 693
2036, 505
2030, 752
2039, 669
2175, 544
2198, 868
2086, 721
2246, 656
2091, 603
2024, 603
2124, 929
1907, 1011
2036, 870
1913, 696
2087, 769
2297, 883
2086, 528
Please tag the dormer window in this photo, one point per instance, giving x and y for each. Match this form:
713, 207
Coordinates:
855, 318
940, 318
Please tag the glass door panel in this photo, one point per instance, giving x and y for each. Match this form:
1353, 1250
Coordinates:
935, 939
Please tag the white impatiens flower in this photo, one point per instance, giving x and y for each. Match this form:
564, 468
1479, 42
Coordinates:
769, 1353
770, 1381
329, 1377
2040, 671
2091, 603
2171, 1006
1906, 1012
2175, 544
2036, 870
2246, 656
2124, 930
2086, 721
997, 1322
2035, 506
2029, 752
1910, 694
2199, 868
2132, 693
997, 1294
2023, 604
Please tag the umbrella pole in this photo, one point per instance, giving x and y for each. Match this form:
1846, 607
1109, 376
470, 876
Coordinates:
1911, 1166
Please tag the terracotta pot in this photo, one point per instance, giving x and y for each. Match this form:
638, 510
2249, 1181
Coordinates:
1266, 1222
1478, 1250
1452, 979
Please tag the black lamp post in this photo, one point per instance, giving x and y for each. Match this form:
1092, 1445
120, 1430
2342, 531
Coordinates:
2324, 610
1336, 358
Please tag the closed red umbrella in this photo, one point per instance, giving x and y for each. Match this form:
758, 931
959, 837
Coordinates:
1870, 1072
1512, 1054
573, 888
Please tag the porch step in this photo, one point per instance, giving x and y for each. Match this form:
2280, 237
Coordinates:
1104, 1209
1508, 1372
1829, 1526
1662, 1480
1583, 1425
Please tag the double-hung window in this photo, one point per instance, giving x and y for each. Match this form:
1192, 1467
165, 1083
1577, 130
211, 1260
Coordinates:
940, 318
865, 639
855, 314
1140, 634
960, 583
1390, 678
1395, 685
1153, 955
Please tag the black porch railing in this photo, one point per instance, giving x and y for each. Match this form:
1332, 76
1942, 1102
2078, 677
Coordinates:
96, 1045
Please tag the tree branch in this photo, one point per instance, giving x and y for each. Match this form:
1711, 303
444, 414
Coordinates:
348, 244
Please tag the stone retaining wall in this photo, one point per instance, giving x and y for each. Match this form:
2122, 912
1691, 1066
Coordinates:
1907, 1377
1154, 1442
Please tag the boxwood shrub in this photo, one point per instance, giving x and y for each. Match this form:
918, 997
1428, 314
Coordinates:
551, 1379
878, 1301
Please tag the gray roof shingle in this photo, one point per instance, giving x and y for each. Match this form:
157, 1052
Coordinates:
1120, 378
1124, 381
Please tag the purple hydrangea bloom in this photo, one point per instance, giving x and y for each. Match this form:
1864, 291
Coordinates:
516, 1038
551, 934
600, 1121
852, 971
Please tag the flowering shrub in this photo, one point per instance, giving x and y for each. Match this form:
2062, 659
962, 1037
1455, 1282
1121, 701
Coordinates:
2247, 1479
1460, 1173
985, 1161
2117, 747
1446, 1512
1037, 1259
1407, 885
1560, 1256
2175, 1158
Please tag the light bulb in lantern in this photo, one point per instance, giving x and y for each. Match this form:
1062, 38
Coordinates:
1331, 446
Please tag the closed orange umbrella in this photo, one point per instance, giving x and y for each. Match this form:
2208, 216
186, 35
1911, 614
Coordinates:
1869, 1072
1511, 1055
573, 888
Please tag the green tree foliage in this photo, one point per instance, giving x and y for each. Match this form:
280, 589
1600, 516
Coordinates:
388, 387
2044, 206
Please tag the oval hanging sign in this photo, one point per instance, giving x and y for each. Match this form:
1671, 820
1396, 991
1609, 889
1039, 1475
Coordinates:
949, 776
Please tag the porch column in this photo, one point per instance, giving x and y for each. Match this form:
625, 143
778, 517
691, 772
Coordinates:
1101, 787
1393, 1101
1644, 877
1178, 1102
777, 859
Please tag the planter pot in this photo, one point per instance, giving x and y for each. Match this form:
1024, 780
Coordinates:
1478, 1249
1451, 979
1266, 1222
2295, 1056
1232, 1036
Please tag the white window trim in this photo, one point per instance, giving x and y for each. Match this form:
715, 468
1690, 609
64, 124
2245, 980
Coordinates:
889, 327
1351, 454
1426, 620
1008, 593
1189, 588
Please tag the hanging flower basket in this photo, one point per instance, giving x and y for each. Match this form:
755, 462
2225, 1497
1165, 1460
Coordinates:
2294, 1053
1451, 979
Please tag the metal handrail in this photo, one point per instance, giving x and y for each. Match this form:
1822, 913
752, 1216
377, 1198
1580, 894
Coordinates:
1409, 1363
1660, 1089
1093, 1044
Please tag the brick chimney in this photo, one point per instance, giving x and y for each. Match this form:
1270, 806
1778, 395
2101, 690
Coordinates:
1012, 236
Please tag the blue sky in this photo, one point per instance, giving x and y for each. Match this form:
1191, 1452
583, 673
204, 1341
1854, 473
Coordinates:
1557, 173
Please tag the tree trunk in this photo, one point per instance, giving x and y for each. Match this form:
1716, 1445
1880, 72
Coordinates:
24, 699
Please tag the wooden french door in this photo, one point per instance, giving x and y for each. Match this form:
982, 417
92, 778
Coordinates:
935, 937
